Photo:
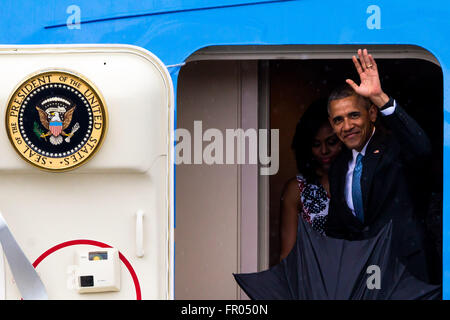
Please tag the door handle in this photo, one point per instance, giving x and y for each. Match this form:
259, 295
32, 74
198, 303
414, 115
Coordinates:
139, 233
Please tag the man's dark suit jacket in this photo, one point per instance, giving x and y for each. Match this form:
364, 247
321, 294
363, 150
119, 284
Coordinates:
393, 161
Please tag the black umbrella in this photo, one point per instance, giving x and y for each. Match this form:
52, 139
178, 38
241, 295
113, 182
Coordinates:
320, 267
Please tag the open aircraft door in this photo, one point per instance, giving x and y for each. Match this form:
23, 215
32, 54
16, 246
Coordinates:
87, 170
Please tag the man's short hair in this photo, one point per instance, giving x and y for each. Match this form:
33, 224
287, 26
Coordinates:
344, 91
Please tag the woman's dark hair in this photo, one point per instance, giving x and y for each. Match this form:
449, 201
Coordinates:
309, 124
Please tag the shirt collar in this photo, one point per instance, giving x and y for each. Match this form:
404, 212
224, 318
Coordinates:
363, 151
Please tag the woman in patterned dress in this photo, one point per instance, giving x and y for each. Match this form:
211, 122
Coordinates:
315, 146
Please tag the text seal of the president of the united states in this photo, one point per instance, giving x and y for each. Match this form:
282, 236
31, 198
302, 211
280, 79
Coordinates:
56, 120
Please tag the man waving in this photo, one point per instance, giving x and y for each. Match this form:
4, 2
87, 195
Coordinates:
370, 183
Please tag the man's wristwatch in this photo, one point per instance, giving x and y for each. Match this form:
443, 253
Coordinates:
388, 104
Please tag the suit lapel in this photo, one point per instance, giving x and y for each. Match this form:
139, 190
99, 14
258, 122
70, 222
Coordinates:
374, 152
353, 223
343, 165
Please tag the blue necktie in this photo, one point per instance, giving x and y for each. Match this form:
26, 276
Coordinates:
356, 189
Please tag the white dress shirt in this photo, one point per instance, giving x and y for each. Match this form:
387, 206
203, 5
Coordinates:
352, 163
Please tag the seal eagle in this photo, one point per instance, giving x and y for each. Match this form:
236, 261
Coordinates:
56, 117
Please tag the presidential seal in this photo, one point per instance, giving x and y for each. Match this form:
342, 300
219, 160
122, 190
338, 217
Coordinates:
56, 120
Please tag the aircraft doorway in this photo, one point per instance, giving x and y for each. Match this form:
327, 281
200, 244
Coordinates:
228, 215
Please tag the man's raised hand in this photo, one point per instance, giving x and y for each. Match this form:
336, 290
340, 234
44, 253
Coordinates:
370, 86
